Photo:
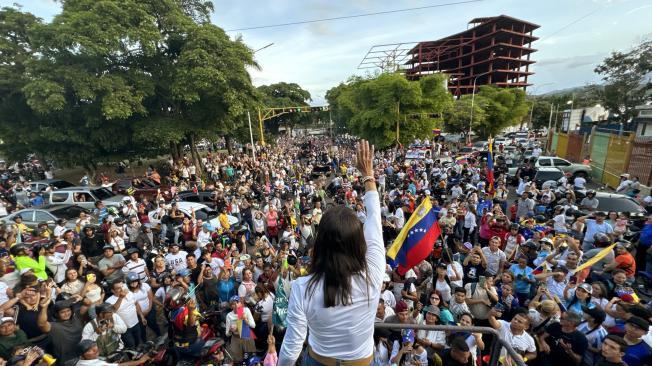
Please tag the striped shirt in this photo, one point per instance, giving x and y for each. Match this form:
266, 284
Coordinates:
137, 266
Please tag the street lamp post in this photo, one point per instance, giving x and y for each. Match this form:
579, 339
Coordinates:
251, 138
534, 102
569, 114
251, 132
472, 105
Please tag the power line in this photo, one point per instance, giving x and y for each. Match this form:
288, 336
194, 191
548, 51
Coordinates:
356, 15
571, 23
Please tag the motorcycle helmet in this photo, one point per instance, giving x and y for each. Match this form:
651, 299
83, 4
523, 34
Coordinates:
184, 272
546, 240
120, 221
590, 192
601, 240
175, 298
514, 226
540, 219
132, 277
113, 211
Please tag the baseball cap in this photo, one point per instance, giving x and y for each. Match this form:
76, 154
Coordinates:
586, 287
638, 322
386, 278
595, 312
84, 346
408, 336
5, 319
108, 246
432, 310
401, 306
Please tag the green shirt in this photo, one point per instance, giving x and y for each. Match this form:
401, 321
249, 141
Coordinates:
24, 261
9, 342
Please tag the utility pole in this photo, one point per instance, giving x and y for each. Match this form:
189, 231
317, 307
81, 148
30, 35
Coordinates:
398, 119
251, 138
552, 106
260, 126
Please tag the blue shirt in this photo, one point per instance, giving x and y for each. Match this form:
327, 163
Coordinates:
638, 354
226, 289
522, 286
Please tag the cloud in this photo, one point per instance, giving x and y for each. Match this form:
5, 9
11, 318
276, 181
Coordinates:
572, 62
320, 29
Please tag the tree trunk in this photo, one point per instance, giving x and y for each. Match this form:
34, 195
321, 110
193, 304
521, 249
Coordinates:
229, 143
196, 159
174, 152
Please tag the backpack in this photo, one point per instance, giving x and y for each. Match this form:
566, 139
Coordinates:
108, 342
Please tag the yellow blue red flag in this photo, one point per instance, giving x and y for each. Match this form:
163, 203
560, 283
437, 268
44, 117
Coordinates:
417, 238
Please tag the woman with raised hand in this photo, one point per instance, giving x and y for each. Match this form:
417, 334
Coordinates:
337, 301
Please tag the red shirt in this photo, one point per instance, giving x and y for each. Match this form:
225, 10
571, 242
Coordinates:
627, 263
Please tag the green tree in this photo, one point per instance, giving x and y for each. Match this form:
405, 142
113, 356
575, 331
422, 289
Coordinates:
541, 113
494, 109
624, 74
375, 106
285, 95
108, 79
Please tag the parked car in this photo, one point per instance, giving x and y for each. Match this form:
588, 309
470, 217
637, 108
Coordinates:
319, 170
49, 214
41, 185
616, 202
203, 197
576, 170
141, 188
546, 174
203, 212
83, 196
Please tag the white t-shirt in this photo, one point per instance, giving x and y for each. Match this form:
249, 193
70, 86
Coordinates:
95, 362
177, 261
560, 223
141, 297
521, 342
3, 293
451, 274
579, 182
127, 310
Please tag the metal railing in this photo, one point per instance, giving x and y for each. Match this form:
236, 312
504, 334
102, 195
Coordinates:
496, 344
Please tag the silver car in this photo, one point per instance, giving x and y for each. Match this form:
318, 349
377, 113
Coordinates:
83, 196
49, 214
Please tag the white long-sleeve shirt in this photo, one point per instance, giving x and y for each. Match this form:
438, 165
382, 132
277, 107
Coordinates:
56, 263
119, 327
232, 320
340, 332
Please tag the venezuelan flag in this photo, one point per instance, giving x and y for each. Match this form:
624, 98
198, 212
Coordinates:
543, 268
490, 168
417, 238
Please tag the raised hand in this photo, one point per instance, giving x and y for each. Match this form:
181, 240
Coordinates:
364, 156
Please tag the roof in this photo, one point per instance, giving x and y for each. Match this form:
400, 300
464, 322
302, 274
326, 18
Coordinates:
81, 188
549, 169
481, 23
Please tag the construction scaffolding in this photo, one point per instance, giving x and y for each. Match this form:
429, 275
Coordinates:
492, 51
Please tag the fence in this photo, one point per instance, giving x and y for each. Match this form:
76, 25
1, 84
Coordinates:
612, 153
640, 163
496, 345
571, 146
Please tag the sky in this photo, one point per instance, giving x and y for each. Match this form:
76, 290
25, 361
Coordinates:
575, 35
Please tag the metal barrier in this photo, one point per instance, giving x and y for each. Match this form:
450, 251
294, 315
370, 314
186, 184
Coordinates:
496, 344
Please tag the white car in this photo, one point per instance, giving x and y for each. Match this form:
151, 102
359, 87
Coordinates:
202, 212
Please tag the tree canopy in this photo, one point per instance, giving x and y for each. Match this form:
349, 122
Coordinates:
625, 76
284, 95
372, 107
494, 109
114, 78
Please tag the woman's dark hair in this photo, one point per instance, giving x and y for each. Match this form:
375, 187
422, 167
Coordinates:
338, 254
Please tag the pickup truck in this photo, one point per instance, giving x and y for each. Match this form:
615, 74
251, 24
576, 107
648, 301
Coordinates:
576, 170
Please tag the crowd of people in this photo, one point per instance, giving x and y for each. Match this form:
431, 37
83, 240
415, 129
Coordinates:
509, 257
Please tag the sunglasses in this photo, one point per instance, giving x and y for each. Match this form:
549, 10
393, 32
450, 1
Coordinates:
434, 298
